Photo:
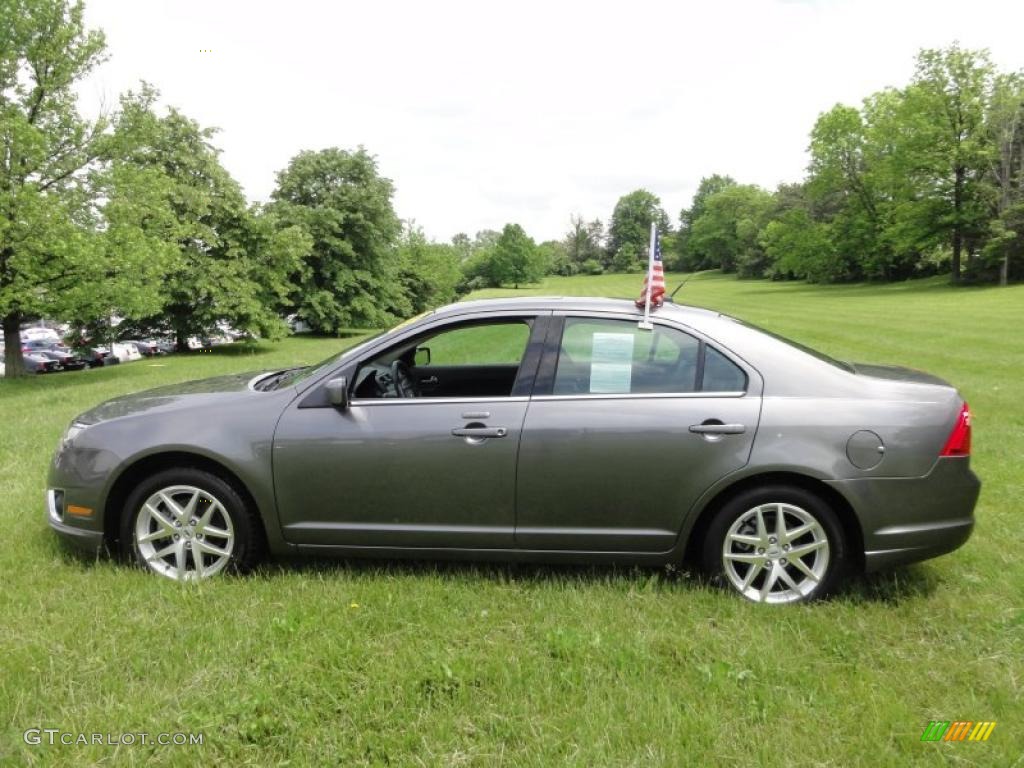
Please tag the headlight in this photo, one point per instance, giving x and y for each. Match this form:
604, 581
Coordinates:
73, 430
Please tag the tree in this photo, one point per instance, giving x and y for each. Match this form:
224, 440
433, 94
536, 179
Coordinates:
555, 256
232, 263
349, 277
838, 158
708, 186
584, 241
799, 247
428, 272
630, 228
846, 188
728, 230
1005, 125
462, 245
515, 258
947, 144
69, 236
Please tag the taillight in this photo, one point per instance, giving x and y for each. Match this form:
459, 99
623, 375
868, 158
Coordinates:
959, 442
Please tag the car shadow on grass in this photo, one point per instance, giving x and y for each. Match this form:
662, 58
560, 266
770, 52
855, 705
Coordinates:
461, 570
892, 587
889, 587
70, 555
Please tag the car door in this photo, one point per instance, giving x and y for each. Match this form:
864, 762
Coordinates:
626, 428
422, 472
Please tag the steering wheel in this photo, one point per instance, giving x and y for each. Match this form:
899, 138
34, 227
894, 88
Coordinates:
403, 380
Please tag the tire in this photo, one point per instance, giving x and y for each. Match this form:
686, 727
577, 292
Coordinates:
762, 563
188, 524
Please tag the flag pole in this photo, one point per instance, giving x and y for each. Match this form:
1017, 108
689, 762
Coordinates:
646, 323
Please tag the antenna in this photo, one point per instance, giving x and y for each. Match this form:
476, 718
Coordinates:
672, 296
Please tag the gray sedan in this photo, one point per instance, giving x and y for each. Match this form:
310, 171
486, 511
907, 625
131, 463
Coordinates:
553, 430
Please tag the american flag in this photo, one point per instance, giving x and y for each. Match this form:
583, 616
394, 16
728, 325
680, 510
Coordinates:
657, 277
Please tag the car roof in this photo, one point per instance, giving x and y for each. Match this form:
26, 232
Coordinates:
570, 303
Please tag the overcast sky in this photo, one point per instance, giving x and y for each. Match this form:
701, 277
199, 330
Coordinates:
484, 113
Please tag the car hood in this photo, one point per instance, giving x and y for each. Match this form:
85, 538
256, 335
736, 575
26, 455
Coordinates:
898, 373
186, 394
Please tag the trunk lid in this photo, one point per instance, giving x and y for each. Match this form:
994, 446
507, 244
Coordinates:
898, 373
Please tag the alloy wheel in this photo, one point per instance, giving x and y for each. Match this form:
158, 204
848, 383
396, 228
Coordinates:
184, 533
775, 553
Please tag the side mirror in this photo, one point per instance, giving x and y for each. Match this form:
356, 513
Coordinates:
337, 392
422, 356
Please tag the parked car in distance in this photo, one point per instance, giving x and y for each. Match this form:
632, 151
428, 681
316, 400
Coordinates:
96, 357
37, 362
68, 360
536, 429
126, 352
148, 348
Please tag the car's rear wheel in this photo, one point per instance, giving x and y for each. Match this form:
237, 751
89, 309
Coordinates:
187, 524
776, 544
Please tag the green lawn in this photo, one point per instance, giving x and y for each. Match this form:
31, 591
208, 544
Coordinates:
376, 664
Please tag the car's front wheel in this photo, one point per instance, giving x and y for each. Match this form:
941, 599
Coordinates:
188, 524
776, 544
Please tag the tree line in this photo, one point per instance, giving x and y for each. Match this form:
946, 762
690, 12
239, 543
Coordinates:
132, 214
918, 180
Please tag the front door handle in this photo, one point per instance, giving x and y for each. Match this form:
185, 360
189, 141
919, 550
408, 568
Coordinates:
718, 429
429, 381
479, 432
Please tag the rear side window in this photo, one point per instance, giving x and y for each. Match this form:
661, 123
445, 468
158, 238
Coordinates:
616, 357
721, 374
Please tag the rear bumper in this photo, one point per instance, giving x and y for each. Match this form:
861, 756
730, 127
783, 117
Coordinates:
905, 520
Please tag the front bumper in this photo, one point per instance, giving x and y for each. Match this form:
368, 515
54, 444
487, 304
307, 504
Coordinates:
905, 520
82, 539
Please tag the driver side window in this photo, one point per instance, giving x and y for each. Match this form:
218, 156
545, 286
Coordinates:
469, 359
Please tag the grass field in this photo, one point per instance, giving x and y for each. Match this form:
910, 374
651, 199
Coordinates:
356, 664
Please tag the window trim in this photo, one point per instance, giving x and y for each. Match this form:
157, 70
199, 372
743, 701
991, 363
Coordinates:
638, 396
374, 402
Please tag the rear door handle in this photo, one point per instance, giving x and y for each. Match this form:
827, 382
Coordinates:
718, 429
479, 432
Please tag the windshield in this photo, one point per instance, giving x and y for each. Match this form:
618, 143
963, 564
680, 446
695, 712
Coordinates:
292, 376
295, 375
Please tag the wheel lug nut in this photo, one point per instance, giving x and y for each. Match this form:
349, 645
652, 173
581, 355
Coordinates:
199, 535
771, 540
786, 547
760, 550
782, 561
188, 545
177, 536
177, 523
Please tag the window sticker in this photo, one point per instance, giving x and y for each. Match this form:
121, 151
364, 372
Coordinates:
611, 366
